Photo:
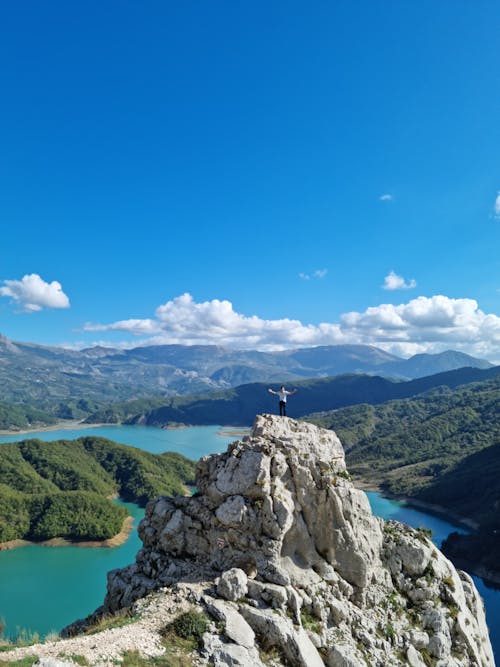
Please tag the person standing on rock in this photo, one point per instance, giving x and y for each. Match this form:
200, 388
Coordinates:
283, 393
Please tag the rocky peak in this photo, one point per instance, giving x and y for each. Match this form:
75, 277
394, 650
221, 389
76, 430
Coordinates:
279, 545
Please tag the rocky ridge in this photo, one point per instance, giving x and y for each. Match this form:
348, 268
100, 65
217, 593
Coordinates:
283, 555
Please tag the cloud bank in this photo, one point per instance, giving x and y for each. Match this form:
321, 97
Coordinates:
32, 293
392, 282
424, 324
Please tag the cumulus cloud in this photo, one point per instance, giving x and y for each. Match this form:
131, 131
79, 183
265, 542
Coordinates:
386, 197
319, 273
424, 324
496, 206
431, 324
184, 321
32, 293
392, 282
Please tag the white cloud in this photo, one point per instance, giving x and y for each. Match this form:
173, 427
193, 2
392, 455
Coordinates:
319, 273
430, 324
496, 206
184, 321
392, 282
386, 197
145, 327
32, 293
424, 324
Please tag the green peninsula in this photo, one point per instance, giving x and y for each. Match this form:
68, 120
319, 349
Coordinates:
66, 488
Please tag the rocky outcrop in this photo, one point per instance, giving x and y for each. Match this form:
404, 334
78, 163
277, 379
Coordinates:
284, 554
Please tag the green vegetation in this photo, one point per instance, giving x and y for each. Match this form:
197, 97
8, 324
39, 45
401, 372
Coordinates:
78, 659
27, 661
190, 625
310, 622
443, 448
110, 621
180, 639
404, 445
17, 417
424, 534
23, 639
177, 656
427, 658
64, 488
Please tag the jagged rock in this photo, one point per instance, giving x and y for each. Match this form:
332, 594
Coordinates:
273, 594
279, 631
419, 639
329, 580
222, 654
344, 656
235, 626
414, 657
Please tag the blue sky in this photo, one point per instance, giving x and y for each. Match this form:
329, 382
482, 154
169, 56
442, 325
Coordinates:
274, 161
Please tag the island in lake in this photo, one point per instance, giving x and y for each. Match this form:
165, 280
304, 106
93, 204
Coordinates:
65, 489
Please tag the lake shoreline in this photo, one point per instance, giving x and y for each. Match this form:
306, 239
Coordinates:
109, 543
64, 425
437, 510
234, 431
76, 424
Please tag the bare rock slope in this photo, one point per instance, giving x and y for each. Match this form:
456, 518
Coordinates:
293, 558
283, 554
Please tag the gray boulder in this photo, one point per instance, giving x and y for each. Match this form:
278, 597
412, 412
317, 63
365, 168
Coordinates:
233, 584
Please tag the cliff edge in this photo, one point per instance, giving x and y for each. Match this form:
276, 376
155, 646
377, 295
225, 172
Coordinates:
284, 558
284, 541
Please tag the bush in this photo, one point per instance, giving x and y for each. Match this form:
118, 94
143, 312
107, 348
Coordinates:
190, 625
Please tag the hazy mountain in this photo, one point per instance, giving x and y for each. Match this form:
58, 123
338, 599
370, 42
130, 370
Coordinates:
427, 364
337, 359
35, 373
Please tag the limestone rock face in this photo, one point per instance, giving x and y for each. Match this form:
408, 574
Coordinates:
292, 560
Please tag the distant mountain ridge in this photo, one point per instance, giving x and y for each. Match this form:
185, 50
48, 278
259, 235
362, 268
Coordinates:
239, 405
36, 373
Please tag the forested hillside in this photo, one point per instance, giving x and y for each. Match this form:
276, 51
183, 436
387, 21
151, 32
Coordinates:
441, 448
65, 488
406, 444
17, 417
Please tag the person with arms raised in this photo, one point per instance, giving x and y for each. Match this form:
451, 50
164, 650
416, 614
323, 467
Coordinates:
282, 393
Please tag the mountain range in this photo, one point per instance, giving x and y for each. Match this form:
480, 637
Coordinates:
31, 373
239, 405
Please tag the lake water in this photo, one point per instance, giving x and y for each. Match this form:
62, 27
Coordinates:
194, 442
45, 588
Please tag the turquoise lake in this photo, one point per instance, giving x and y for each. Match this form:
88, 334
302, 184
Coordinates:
45, 588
